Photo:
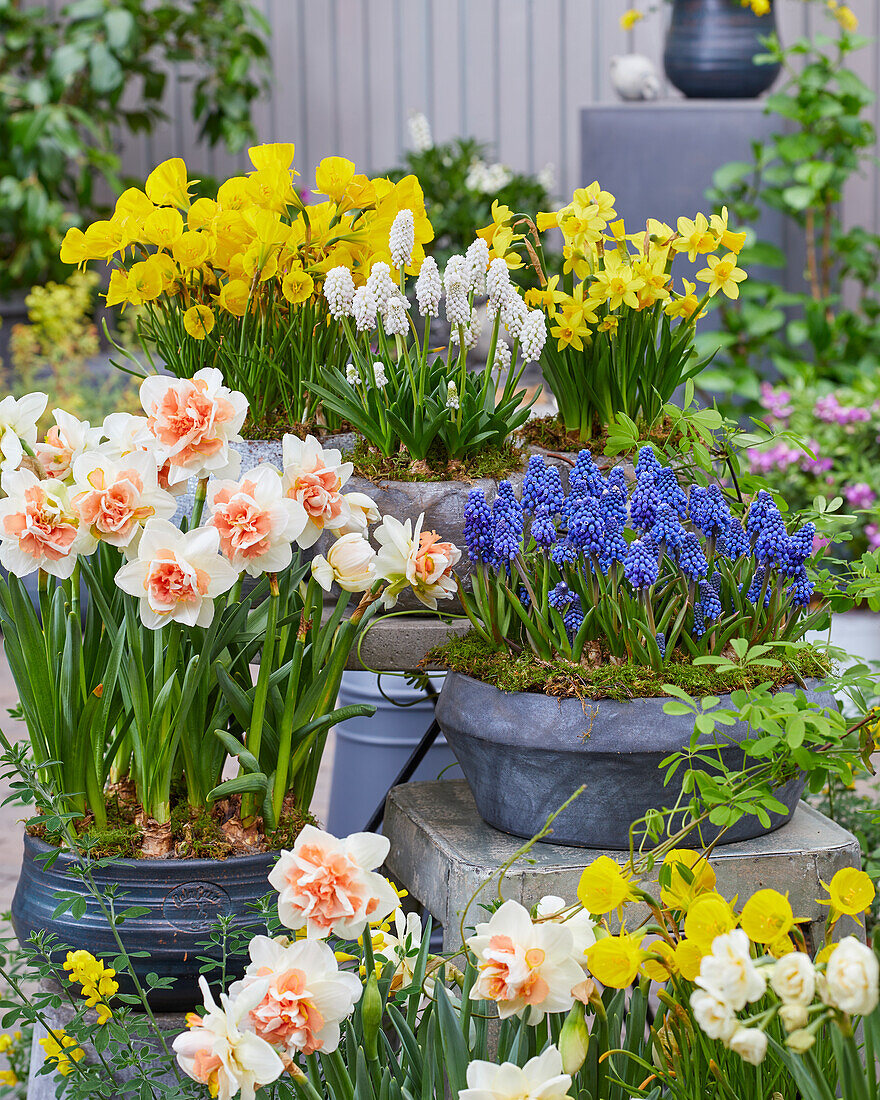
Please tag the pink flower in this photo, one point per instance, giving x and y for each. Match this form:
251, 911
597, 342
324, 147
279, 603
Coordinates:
256, 521
314, 478
38, 527
65, 442
860, 495
329, 886
177, 576
307, 998
872, 532
115, 497
193, 421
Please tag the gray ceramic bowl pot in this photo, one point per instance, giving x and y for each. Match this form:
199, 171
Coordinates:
524, 754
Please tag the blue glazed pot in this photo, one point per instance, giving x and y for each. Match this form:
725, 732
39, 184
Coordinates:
184, 898
710, 46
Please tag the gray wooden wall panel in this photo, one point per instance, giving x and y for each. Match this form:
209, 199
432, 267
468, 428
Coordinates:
347, 73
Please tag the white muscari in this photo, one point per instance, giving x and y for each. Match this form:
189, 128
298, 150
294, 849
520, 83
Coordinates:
395, 318
477, 257
402, 238
497, 285
420, 132
533, 335
381, 285
487, 178
352, 377
339, 292
514, 312
472, 332
452, 401
429, 288
502, 354
364, 308
379, 375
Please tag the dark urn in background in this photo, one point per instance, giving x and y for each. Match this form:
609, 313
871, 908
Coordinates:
710, 48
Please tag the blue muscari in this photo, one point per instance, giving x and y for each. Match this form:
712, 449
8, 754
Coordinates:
507, 523
641, 567
710, 601
667, 529
691, 559
478, 527
542, 487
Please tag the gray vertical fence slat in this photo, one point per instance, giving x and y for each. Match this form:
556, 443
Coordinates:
514, 73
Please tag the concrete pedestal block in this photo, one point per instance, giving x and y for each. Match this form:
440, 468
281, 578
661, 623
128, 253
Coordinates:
444, 854
400, 643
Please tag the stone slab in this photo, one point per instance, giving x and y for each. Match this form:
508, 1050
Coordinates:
444, 854
399, 643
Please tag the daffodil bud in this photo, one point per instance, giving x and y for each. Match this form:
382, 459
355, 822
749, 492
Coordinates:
574, 1040
371, 1015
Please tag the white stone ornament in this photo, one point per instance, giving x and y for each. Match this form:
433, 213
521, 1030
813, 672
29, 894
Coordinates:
634, 77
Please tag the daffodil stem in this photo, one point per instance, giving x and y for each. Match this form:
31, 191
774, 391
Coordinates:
261, 694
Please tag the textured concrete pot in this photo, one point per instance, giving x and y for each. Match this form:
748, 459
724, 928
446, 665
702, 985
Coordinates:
524, 754
184, 897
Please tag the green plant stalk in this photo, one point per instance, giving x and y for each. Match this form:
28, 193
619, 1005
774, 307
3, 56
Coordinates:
255, 733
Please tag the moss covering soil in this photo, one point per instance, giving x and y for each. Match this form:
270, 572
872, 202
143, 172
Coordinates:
603, 679
550, 433
491, 462
214, 833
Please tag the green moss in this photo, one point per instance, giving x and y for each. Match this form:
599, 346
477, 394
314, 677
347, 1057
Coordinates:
289, 827
196, 834
473, 656
550, 433
492, 462
277, 426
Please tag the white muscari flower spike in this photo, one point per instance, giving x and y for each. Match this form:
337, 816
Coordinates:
429, 288
502, 354
458, 310
339, 292
379, 375
513, 312
363, 309
352, 377
452, 401
497, 283
394, 317
471, 333
420, 132
381, 285
532, 336
402, 238
477, 257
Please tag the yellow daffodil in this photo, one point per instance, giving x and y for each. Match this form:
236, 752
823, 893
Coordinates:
233, 297
629, 19
851, 892
168, 270
74, 248
202, 214
145, 282
722, 274
683, 305
766, 917
8, 1078
191, 249
659, 232
547, 220
271, 189
661, 969
695, 237
782, 946
572, 320
609, 324
117, 291
332, 177
733, 242
297, 286
104, 239
167, 184
690, 874
163, 227
235, 194
652, 271
199, 321
616, 283
548, 298
593, 195
688, 956
131, 211
759, 7
604, 886
278, 154
360, 194
708, 916
615, 960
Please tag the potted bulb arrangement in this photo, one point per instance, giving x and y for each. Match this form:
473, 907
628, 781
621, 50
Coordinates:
428, 427
134, 664
614, 629
233, 281
621, 336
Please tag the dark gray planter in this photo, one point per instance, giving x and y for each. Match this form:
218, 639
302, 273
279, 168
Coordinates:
524, 754
184, 898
